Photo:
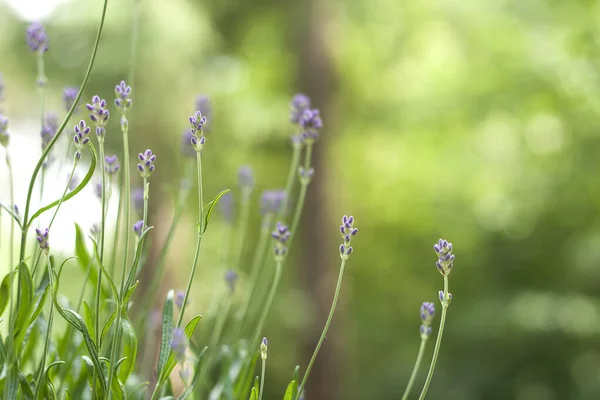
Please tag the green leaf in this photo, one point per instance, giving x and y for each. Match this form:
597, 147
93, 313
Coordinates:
49, 377
243, 384
210, 207
72, 193
12, 214
86, 261
254, 394
291, 391
130, 343
25, 387
171, 362
91, 376
107, 326
129, 293
167, 332
25, 305
133, 272
4, 289
88, 318
295, 376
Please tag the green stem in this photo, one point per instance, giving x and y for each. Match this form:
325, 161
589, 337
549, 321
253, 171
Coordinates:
302, 197
292, 173
438, 341
117, 234
48, 333
413, 375
265, 310
125, 131
12, 253
243, 224
102, 229
262, 378
325, 329
199, 241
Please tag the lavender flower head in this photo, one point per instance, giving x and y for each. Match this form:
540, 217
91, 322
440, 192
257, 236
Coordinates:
146, 165
348, 231
445, 262
179, 344
49, 129
69, 97
111, 165
81, 138
42, 238
180, 298
186, 140
138, 228
299, 103
4, 135
123, 97
99, 115
311, 125
226, 206
246, 176
197, 122
231, 278
37, 39
138, 200
443, 299
263, 348
427, 313
281, 234
271, 201
203, 104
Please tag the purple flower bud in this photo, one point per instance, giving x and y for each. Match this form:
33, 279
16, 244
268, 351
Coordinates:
99, 115
98, 190
123, 97
231, 278
305, 175
311, 125
445, 262
203, 104
138, 228
37, 40
271, 201
49, 129
281, 234
42, 238
263, 348
81, 138
146, 165
179, 344
443, 297
111, 164
245, 176
425, 330
348, 231
226, 206
180, 298
4, 136
300, 102
69, 96
138, 200
427, 312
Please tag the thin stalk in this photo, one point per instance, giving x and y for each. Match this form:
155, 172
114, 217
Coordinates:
302, 196
102, 229
438, 341
12, 245
265, 310
262, 378
292, 173
413, 375
115, 246
243, 224
199, 241
221, 319
325, 329
125, 131
48, 333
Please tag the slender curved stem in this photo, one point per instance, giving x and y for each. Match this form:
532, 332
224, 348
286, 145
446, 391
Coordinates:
413, 375
292, 173
48, 333
11, 243
262, 378
117, 233
125, 131
325, 329
102, 229
438, 341
267, 307
198, 242
302, 197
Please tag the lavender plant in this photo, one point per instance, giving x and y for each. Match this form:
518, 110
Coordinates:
96, 355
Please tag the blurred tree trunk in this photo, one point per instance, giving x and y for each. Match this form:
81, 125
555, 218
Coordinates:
316, 79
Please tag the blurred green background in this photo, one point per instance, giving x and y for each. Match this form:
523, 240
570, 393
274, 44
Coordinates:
475, 121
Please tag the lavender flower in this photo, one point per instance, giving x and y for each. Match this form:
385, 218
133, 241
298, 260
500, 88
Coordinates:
111, 165
179, 344
226, 206
263, 348
203, 104
231, 278
146, 165
138, 228
197, 122
179, 298
348, 231
445, 262
69, 97
37, 40
138, 200
98, 190
42, 238
271, 201
49, 129
4, 135
99, 115
281, 234
305, 175
245, 176
311, 125
299, 103
443, 297
186, 141
81, 138
427, 312
74, 182
123, 97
